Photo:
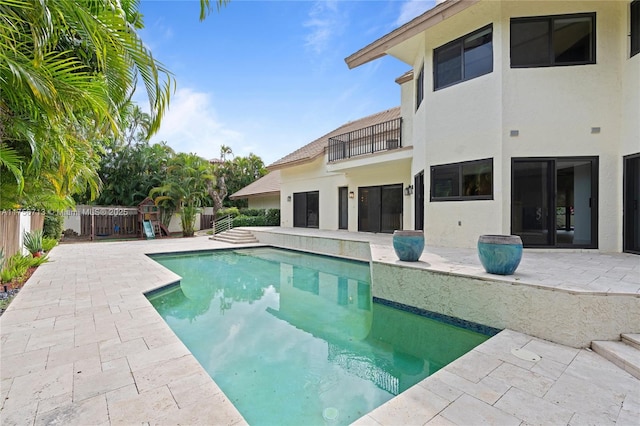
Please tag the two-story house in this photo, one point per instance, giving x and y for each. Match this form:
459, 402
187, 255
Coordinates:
518, 117
354, 178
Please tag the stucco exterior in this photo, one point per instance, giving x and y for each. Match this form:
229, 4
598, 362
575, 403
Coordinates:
553, 109
558, 113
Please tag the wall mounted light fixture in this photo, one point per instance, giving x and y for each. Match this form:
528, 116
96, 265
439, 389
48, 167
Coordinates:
408, 190
289, 198
352, 194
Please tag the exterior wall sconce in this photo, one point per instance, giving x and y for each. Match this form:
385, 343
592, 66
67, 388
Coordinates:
352, 194
289, 198
408, 190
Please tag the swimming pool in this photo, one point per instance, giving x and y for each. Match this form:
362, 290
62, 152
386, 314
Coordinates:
294, 338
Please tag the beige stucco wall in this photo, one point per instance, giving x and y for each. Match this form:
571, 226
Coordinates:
460, 123
630, 129
265, 202
314, 176
553, 108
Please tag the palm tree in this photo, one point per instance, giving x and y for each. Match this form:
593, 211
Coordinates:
66, 67
185, 187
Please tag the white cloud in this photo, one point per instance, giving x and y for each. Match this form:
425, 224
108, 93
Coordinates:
325, 24
413, 8
191, 125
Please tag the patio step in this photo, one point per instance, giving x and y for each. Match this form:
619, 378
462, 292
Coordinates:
624, 355
632, 339
236, 236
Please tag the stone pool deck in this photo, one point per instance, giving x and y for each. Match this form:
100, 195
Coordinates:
82, 345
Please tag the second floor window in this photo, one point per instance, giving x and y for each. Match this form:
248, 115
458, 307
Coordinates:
553, 40
420, 88
463, 59
635, 27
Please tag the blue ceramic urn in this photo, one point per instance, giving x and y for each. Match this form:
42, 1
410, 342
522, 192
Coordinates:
500, 254
408, 245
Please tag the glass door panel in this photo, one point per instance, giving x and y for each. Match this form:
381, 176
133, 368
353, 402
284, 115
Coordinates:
573, 203
343, 207
631, 202
391, 208
530, 202
419, 200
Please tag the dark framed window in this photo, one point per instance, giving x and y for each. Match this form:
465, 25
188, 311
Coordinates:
471, 180
553, 40
420, 88
463, 59
635, 27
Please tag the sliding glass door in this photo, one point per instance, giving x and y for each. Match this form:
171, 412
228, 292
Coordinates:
380, 208
306, 209
631, 201
554, 201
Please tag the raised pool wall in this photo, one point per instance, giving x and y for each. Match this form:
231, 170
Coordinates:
567, 317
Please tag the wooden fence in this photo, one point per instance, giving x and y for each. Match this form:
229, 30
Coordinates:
121, 226
112, 222
206, 221
10, 229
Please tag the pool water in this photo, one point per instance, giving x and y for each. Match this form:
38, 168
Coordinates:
295, 339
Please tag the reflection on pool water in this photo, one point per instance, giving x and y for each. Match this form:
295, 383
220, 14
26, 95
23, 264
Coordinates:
295, 339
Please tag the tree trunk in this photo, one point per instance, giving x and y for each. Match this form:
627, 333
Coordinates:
218, 194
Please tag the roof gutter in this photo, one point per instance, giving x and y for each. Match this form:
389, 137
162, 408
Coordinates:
434, 16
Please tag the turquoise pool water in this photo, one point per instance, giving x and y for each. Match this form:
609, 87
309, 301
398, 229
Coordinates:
295, 338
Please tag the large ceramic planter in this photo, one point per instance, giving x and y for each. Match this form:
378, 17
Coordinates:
408, 245
500, 254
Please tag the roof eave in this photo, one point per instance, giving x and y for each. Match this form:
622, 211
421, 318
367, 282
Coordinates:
256, 195
380, 47
298, 162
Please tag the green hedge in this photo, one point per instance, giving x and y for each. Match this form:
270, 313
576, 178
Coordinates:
252, 212
272, 217
249, 221
257, 217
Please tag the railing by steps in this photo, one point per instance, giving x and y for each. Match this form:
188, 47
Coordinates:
223, 224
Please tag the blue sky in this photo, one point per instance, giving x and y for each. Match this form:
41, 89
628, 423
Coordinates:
268, 77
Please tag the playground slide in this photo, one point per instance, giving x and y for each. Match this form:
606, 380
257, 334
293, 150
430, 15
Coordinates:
148, 229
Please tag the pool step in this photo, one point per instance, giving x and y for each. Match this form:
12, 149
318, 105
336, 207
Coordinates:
624, 353
236, 236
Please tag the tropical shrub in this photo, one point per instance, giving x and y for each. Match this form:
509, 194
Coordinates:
53, 223
272, 217
232, 211
17, 265
33, 241
188, 219
48, 243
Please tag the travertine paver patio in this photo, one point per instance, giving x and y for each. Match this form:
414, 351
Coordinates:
82, 345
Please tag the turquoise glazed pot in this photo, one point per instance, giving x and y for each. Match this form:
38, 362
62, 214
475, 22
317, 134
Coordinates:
408, 245
500, 254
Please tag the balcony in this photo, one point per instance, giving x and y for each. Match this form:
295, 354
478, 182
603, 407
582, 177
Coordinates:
368, 140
